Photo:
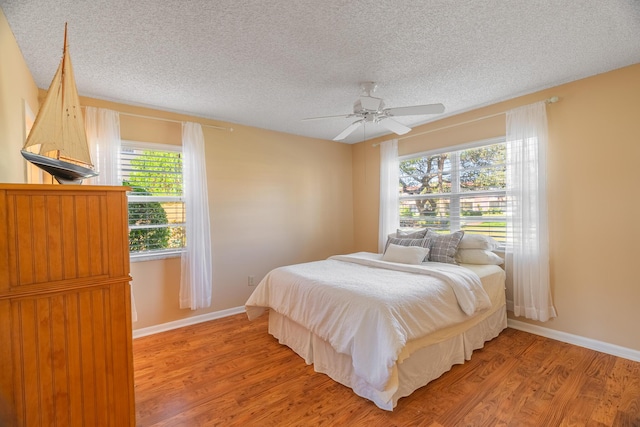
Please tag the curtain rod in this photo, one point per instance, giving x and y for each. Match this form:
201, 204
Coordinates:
551, 100
173, 121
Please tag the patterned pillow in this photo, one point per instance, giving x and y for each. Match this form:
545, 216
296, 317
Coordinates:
443, 247
406, 242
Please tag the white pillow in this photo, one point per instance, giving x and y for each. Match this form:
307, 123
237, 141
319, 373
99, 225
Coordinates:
478, 256
405, 254
478, 241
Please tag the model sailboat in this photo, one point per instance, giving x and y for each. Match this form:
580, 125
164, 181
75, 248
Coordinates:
59, 129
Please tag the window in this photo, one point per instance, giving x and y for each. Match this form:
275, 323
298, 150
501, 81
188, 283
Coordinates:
156, 206
456, 190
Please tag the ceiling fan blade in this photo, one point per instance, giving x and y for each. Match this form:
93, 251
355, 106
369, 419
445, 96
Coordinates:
415, 110
343, 116
345, 133
394, 126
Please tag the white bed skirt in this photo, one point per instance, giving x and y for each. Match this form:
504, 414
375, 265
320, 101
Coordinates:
428, 359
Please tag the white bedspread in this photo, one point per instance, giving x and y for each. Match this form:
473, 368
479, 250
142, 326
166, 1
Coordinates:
368, 308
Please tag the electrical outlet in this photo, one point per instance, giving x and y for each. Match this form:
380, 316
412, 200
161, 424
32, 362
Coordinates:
251, 280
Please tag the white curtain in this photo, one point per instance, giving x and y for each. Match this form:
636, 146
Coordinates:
103, 135
389, 177
527, 224
196, 273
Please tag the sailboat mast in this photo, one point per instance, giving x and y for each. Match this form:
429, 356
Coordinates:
64, 67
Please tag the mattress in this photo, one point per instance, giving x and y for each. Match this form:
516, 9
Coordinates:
421, 360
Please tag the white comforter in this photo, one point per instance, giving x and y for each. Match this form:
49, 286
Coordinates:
368, 308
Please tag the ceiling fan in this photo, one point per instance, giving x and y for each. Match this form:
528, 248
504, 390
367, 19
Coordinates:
370, 109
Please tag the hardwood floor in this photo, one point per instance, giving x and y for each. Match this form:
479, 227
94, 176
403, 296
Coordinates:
230, 372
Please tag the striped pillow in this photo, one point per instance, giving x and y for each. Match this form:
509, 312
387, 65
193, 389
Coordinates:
406, 242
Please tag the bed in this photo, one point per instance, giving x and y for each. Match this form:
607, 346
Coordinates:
383, 328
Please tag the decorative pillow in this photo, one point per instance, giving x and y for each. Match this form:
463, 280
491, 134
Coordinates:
406, 242
443, 247
405, 254
414, 234
478, 256
478, 241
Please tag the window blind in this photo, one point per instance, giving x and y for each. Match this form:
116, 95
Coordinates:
156, 206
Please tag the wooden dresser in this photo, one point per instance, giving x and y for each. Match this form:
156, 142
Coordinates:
65, 313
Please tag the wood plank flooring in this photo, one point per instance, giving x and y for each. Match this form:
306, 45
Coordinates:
230, 372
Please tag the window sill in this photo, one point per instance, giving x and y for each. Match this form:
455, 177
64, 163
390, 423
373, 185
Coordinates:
154, 256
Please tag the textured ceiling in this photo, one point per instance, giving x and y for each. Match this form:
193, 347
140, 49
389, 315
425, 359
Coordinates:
270, 64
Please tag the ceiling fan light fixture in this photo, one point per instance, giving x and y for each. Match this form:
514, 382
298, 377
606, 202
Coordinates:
370, 103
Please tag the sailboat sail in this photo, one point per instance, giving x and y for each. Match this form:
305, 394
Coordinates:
59, 127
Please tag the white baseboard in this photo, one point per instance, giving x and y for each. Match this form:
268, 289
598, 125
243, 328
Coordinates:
589, 343
143, 332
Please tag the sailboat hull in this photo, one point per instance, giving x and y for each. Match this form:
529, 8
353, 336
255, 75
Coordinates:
63, 172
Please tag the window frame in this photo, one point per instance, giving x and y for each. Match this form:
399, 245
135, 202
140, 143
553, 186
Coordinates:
456, 196
160, 253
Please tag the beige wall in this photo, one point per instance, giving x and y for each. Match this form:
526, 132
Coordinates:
16, 88
274, 199
594, 189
